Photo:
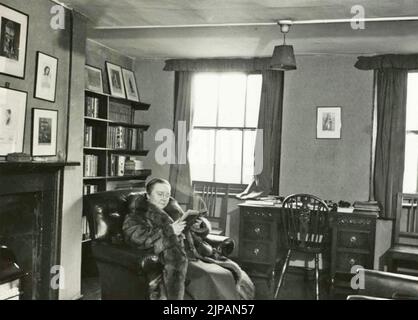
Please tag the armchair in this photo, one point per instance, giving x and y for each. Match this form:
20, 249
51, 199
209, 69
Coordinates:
124, 271
380, 285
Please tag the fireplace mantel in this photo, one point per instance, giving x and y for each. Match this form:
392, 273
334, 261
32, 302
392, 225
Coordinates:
6, 166
30, 220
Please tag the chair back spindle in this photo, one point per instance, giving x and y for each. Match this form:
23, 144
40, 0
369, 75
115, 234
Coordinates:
305, 222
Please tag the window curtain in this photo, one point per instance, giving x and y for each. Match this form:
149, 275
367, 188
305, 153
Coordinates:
391, 81
270, 117
270, 121
180, 171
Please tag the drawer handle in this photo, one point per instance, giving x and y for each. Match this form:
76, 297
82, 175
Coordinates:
352, 261
256, 251
353, 239
257, 230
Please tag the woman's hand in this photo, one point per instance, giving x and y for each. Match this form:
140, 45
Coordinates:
197, 223
178, 227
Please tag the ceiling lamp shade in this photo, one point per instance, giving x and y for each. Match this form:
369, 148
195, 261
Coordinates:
283, 56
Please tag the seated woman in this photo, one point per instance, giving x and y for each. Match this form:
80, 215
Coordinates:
154, 221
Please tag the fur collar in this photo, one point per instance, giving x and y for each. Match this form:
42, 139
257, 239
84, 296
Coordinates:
171, 212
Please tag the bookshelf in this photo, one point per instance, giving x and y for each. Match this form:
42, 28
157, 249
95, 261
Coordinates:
113, 143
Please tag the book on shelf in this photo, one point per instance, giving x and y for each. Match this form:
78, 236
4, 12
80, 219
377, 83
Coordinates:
90, 188
120, 112
85, 230
88, 136
92, 107
120, 169
122, 138
90, 162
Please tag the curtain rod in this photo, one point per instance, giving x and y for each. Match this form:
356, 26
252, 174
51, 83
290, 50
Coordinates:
246, 24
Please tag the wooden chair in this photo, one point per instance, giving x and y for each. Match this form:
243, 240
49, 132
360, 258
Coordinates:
306, 229
212, 197
405, 234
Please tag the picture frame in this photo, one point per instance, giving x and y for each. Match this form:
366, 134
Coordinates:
115, 79
12, 120
13, 41
328, 123
93, 79
46, 77
131, 88
44, 132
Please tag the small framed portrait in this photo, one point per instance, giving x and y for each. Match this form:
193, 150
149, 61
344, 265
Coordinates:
130, 85
12, 120
44, 132
114, 75
13, 41
46, 77
328, 123
93, 79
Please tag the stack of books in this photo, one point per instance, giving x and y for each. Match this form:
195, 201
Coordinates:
369, 206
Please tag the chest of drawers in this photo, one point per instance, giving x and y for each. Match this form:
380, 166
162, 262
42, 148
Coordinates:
258, 239
353, 242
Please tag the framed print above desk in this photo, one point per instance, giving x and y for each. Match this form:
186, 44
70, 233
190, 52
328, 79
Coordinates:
328, 123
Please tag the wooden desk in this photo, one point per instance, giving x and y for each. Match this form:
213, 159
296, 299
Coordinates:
261, 240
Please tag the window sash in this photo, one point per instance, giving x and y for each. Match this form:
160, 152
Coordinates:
242, 129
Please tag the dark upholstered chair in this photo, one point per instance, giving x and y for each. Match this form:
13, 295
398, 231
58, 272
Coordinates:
124, 271
306, 229
387, 285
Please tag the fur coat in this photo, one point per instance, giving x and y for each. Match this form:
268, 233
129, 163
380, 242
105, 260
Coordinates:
148, 227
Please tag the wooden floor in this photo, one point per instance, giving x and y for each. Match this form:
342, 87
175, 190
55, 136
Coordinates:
298, 285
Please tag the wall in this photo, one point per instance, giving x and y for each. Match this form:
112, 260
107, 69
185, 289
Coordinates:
41, 37
331, 169
97, 55
156, 87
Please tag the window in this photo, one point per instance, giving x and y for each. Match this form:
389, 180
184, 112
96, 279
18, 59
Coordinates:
225, 115
411, 140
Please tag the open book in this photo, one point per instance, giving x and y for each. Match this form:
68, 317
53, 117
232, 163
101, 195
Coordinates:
190, 216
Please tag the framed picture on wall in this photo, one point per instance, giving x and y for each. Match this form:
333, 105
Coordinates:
130, 85
328, 122
13, 41
93, 79
44, 132
12, 120
46, 76
114, 76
